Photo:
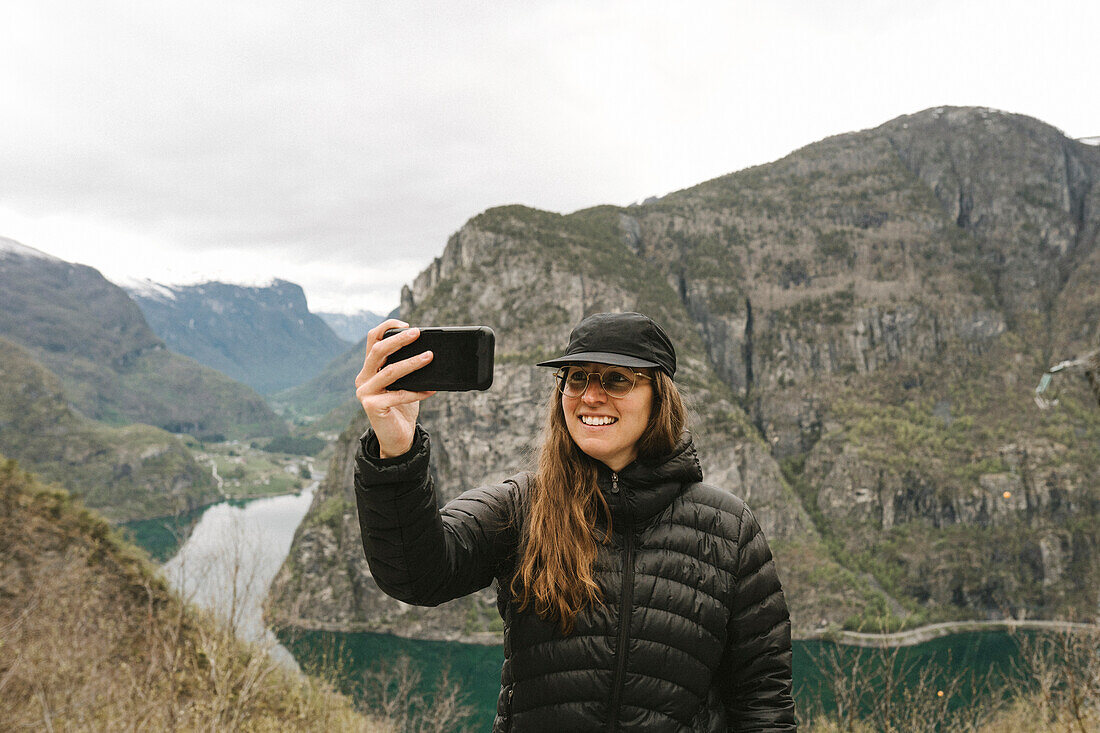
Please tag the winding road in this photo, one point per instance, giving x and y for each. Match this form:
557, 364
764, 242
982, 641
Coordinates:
922, 634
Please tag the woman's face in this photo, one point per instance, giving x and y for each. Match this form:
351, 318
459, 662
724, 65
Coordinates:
608, 428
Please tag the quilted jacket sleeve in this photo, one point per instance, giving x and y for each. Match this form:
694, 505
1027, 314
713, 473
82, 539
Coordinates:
418, 553
755, 671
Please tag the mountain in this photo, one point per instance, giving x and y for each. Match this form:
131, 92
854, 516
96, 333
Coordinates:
352, 327
330, 396
332, 389
126, 473
262, 336
112, 366
861, 326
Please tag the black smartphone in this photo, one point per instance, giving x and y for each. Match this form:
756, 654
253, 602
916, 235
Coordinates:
462, 359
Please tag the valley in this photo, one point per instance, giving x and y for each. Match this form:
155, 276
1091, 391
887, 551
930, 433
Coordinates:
860, 327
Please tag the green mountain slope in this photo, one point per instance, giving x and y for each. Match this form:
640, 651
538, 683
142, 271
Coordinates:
334, 387
113, 368
129, 472
352, 326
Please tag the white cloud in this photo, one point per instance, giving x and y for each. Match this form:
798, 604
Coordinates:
260, 135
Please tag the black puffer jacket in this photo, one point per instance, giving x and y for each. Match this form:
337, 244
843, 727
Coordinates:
693, 634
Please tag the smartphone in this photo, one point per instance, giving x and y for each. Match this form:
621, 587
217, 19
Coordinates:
462, 359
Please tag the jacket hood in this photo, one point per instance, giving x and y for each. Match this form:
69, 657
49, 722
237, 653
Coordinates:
645, 488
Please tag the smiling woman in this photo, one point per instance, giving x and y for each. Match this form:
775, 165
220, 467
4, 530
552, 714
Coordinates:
606, 416
634, 596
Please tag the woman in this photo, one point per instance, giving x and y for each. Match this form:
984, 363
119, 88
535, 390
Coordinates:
634, 597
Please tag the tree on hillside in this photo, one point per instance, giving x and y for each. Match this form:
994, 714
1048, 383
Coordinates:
1089, 365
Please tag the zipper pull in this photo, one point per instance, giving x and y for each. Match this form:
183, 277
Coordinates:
614, 483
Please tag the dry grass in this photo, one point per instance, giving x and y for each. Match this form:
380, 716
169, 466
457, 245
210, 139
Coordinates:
1061, 691
91, 638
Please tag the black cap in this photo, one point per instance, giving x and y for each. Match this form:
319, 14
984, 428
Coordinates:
619, 339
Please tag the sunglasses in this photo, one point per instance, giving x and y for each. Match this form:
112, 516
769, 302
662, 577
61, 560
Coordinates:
616, 381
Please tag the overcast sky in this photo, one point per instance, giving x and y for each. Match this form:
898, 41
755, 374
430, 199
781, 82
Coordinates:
338, 144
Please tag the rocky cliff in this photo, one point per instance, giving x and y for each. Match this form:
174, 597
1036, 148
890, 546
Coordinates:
861, 324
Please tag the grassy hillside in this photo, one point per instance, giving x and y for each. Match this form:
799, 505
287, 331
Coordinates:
92, 639
127, 472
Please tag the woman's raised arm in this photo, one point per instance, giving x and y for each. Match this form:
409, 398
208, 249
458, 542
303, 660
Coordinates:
420, 554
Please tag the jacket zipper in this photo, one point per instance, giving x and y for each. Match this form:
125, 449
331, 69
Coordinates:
626, 608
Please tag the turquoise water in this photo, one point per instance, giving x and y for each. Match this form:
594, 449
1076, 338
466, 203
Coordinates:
981, 661
161, 537
477, 667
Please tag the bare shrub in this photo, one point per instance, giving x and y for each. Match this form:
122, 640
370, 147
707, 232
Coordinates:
875, 689
1058, 676
1054, 688
222, 576
392, 690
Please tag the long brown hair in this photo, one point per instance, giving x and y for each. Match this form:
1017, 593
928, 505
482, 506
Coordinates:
558, 542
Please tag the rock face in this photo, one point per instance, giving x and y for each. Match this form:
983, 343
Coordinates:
264, 337
113, 368
860, 327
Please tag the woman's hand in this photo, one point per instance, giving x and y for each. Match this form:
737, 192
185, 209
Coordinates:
392, 414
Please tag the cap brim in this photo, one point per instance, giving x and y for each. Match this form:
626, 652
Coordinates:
600, 357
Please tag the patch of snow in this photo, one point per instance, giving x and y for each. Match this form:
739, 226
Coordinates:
244, 283
1089, 140
257, 283
146, 288
12, 248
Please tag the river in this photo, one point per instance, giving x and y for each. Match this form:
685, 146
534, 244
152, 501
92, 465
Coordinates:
231, 556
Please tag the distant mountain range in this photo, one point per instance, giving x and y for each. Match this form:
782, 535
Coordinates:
327, 401
89, 396
112, 366
353, 327
89, 392
265, 337
332, 389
